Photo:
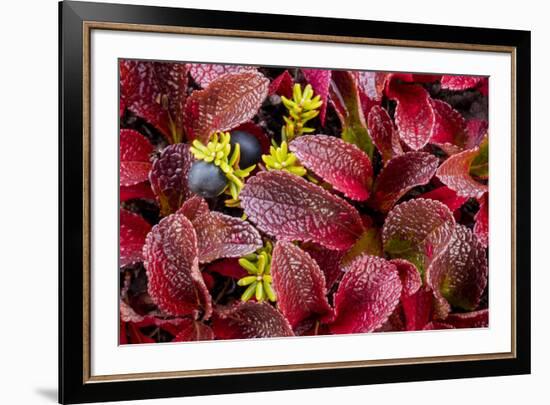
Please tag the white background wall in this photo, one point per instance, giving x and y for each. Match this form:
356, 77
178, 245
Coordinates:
28, 199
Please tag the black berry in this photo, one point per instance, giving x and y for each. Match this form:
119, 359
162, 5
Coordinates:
206, 179
251, 150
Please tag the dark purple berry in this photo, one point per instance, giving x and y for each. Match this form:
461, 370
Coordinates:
206, 179
251, 150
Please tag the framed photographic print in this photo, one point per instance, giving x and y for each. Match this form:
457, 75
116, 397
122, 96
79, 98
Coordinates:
263, 202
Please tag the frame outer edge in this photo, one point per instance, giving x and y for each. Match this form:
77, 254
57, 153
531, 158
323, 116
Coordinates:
72, 379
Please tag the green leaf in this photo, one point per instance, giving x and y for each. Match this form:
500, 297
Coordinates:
405, 249
480, 165
369, 243
345, 98
358, 135
418, 231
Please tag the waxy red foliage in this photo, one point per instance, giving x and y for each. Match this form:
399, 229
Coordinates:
135, 154
481, 228
137, 191
385, 229
459, 273
168, 177
171, 260
290, 208
206, 73
133, 230
329, 261
384, 134
250, 320
226, 102
401, 174
418, 309
460, 82
299, 283
449, 129
414, 115
346, 167
221, 235
371, 89
192, 331
474, 319
156, 92
447, 196
418, 231
282, 85
455, 174
320, 81
367, 295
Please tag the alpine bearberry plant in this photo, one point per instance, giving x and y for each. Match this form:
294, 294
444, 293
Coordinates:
262, 202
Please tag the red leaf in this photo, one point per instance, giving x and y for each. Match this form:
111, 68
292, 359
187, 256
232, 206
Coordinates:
399, 77
454, 173
481, 227
299, 285
383, 134
409, 275
135, 151
127, 313
250, 319
141, 190
221, 235
192, 331
425, 78
227, 102
414, 115
370, 242
169, 177
194, 207
282, 85
441, 307
138, 91
208, 280
401, 174
476, 130
320, 81
346, 167
484, 87
228, 268
418, 230
345, 98
329, 261
460, 82
205, 73
476, 319
449, 128
155, 91
395, 322
291, 208
175, 281
371, 88
434, 325
366, 296
134, 146
172, 78
417, 309
459, 274
133, 230
447, 196
135, 336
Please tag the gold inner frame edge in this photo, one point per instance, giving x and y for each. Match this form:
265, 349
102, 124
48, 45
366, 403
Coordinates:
86, 158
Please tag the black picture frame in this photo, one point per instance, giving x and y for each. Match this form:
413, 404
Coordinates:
73, 387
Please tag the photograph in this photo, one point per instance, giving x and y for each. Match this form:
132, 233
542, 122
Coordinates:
284, 202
